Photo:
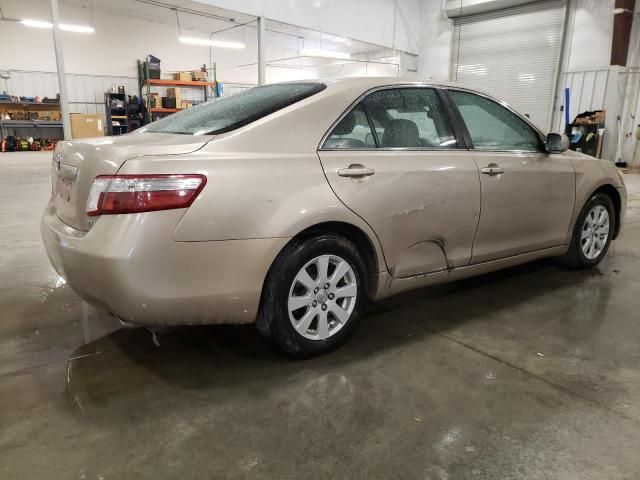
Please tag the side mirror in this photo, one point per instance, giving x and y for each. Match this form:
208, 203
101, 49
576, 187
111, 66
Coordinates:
557, 143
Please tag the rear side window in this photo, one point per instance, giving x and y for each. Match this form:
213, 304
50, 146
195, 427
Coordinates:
492, 126
228, 113
410, 118
353, 131
401, 118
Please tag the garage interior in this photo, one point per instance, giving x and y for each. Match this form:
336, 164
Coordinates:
530, 372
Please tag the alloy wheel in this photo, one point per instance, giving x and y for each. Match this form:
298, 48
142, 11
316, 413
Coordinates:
322, 297
595, 232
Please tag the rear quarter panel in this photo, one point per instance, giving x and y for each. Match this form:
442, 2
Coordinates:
263, 181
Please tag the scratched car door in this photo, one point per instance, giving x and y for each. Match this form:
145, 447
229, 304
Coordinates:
394, 160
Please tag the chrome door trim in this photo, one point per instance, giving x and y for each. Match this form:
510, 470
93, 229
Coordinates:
387, 149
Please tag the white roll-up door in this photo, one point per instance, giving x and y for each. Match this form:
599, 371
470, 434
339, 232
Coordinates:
512, 54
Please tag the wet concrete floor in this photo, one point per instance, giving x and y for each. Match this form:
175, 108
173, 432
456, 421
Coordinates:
532, 372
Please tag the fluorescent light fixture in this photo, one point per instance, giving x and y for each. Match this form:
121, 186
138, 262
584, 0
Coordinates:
210, 43
36, 24
337, 39
317, 52
61, 26
75, 28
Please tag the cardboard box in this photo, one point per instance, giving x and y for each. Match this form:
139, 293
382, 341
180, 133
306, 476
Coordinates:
175, 92
17, 114
597, 116
50, 115
186, 104
199, 76
86, 125
154, 100
182, 76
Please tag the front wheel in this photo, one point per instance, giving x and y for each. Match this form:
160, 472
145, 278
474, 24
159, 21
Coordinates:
314, 295
592, 233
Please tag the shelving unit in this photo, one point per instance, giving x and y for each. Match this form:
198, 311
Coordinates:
163, 110
146, 85
28, 109
178, 83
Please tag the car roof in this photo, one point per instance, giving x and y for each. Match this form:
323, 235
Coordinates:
380, 81
367, 83
335, 85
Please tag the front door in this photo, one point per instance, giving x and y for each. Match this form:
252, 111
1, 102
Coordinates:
528, 195
406, 178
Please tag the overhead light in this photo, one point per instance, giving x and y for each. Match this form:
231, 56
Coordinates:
75, 28
62, 26
211, 43
317, 52
337, 39
36, 24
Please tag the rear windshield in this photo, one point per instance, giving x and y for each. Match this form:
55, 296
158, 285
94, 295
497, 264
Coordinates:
228, 113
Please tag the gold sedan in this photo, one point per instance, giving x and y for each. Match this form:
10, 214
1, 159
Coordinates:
292, 205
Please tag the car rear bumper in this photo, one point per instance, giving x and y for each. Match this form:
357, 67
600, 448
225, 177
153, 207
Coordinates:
129, 265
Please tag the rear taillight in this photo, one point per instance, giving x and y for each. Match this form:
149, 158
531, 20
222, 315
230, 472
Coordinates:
112, 194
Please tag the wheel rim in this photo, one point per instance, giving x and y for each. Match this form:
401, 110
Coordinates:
595, 232
322, 297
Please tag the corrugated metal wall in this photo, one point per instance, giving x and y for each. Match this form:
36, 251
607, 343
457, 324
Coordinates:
587, 91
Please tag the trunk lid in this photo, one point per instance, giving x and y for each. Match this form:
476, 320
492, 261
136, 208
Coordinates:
77, 163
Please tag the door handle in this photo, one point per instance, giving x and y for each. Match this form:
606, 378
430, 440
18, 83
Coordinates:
356, 171
492, 169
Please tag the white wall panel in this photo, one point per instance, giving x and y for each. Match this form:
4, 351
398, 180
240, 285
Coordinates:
435, 42
589, 35
388, 23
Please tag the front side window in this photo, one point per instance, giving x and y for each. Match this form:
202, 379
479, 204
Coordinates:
228, 113
492, 126
401, 118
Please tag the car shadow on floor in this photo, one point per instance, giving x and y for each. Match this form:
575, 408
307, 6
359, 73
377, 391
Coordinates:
201, 361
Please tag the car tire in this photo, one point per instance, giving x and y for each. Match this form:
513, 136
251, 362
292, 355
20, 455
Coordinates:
308, 312
592, 233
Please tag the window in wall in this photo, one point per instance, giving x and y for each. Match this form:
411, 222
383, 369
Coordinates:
493, 127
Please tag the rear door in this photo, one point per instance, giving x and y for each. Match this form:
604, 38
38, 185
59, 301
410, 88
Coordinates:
528, 195
408, 178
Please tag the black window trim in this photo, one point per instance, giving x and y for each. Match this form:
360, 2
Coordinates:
541, 136
450, 117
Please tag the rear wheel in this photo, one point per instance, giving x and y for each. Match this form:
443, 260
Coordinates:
314, 295
592, 233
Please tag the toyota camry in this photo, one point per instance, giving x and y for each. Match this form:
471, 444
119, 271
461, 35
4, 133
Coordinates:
292, 205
